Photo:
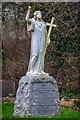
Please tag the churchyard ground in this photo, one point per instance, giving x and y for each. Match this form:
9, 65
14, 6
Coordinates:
66, 112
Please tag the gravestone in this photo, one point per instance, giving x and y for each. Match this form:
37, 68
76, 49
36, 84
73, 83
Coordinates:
8, 86
37, 96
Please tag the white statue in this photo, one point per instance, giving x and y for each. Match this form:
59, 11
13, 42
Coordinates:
39, 42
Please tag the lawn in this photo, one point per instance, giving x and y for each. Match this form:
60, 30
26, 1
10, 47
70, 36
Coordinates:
8, 108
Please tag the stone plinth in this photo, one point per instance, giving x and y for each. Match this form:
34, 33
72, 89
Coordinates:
37, 96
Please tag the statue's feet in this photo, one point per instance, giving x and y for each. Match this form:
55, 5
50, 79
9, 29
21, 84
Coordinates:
43, 73
32, 72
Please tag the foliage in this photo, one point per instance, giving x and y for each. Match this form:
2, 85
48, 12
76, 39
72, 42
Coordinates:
5, 100
69, 95
7, 112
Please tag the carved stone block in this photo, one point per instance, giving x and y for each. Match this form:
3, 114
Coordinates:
37, 96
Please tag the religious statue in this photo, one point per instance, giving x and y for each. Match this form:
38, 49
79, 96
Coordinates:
37, 94
39, 41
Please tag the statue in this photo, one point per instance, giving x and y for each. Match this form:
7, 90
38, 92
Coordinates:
39, 42
37, 94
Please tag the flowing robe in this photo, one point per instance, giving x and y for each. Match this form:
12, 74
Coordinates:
38, 41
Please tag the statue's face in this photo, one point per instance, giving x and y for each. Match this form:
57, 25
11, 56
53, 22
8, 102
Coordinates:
39, 15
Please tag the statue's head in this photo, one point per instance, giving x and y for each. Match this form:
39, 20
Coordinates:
38, 14
35, 17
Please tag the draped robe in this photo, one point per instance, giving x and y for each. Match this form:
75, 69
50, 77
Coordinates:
38, 41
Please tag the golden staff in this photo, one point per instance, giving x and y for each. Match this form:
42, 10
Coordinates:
48, 36
49, 32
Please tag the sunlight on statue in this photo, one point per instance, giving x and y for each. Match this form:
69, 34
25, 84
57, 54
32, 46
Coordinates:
39, 41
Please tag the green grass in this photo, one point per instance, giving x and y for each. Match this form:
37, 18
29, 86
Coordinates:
0, 111
8, 109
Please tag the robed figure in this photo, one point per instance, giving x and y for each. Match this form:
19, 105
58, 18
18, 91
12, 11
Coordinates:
39, 42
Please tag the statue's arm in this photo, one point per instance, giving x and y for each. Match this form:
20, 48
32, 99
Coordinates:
28, 14
29, 21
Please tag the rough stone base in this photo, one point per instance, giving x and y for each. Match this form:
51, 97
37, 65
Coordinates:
37, 96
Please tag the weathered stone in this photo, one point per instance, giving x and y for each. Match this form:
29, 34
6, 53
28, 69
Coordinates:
37, 96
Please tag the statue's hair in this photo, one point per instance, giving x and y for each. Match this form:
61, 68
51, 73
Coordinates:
35, 13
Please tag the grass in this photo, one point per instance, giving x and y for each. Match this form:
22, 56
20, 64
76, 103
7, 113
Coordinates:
0, 110
8, 109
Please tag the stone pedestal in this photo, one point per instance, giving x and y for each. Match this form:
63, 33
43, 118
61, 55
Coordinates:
37, 96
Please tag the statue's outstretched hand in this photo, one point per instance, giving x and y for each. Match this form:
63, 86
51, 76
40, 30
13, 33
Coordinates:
28, 14
29, 7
